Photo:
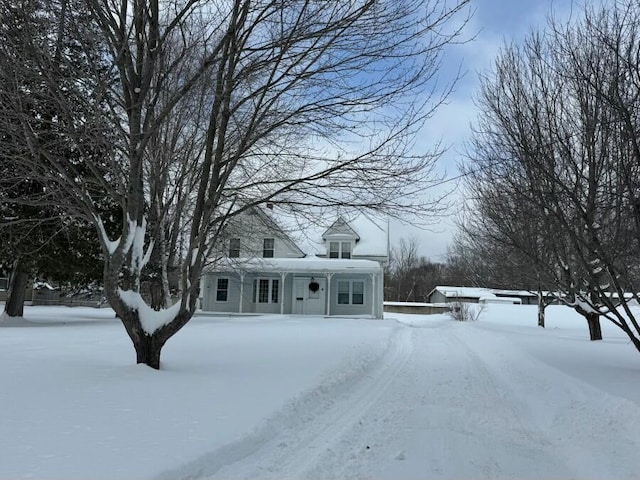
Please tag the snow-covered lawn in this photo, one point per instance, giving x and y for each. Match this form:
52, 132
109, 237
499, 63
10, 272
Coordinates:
284, 397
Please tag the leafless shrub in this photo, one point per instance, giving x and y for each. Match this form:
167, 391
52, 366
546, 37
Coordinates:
466, 312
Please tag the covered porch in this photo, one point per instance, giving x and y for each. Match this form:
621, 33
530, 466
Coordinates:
301, 286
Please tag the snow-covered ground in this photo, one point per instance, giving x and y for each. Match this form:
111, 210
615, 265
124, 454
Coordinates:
284, 397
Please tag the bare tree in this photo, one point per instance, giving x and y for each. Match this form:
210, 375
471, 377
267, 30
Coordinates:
403, 260
410, 277
308, 104
552, 157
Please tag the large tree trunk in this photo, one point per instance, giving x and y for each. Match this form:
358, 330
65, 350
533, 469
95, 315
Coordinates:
593, 320
14, 306
148, 351
147, 347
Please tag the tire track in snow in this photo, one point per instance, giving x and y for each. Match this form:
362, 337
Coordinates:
293, 440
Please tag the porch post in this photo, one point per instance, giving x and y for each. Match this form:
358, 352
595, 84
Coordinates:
282, 276
373, 295
241, 292
329, 275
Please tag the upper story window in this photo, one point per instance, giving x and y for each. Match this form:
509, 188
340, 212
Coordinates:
339, 249
268, 247
234, 248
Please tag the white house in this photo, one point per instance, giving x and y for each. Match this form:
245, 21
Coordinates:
303, 270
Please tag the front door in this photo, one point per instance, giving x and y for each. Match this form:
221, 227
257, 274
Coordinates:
309, 296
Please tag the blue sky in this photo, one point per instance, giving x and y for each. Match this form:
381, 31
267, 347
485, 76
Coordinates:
494, 22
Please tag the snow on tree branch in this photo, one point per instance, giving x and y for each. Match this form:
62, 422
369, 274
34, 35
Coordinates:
151, 320
111, 245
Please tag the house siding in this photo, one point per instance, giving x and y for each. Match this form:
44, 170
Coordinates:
209, 287
253, 247
437, 297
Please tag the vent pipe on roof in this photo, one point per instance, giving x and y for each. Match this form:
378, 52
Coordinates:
270, 205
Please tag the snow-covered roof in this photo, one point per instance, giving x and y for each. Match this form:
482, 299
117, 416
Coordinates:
482, 293
514, 293
494, 299
466, 292
298, 265
415, 304
373, 236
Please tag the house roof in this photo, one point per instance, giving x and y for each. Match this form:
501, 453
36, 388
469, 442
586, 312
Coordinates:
373, 232
271, 223
298, 265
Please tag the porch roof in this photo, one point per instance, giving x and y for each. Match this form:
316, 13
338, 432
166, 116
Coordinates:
297, 265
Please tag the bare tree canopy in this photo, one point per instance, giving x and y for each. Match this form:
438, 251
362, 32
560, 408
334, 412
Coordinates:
555, 159
215, 107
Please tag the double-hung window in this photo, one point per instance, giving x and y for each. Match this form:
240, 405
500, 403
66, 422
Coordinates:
266, 290
234, 248
268, 247
350, 292
339, 249
222, 290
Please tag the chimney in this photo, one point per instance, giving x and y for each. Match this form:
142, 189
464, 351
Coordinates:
270, 205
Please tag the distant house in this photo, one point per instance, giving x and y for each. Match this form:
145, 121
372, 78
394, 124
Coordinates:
265, 268
5, 281
4, 285
447, 294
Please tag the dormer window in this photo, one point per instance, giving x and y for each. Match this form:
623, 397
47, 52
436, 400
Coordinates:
339, 249
345, 249
268, 248
234, 248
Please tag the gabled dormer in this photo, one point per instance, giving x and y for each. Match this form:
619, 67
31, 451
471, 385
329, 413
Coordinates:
340, 239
